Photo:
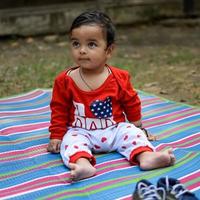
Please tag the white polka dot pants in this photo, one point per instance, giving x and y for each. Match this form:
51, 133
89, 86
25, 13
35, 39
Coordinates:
124, 138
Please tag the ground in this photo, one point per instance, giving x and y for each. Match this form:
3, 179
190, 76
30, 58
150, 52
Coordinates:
163, 60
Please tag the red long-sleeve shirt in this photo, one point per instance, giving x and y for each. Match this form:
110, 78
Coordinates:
97, 109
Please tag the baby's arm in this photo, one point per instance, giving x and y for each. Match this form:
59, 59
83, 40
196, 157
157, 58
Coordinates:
54, 145
137, 123
132, 106
59, 108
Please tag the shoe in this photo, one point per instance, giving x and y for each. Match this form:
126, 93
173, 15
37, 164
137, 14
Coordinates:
175, 190
145, 190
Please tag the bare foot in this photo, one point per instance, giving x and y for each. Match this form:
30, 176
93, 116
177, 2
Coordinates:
81, 169
153, 160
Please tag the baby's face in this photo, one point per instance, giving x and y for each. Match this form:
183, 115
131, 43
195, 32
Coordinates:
89, 46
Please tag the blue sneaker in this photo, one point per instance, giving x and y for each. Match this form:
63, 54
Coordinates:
145, 190
175, 190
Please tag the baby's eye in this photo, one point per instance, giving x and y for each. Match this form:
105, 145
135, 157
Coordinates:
92, 45
75, 44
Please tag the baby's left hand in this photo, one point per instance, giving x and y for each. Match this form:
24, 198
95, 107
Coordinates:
150, 137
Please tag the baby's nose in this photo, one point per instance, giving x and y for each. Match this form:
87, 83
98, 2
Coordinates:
83, 50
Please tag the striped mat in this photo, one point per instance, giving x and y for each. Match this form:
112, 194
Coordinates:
28, 171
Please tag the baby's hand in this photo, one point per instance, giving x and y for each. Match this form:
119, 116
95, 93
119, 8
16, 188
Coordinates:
149, 136
54, 146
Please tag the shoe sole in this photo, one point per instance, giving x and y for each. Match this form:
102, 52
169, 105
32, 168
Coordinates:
169, 196
136, 197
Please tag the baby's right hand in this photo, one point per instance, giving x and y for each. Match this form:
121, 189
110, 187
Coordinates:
54, 146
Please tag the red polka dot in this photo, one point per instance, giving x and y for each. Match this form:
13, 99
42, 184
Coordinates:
138, 135
126, 137
103, 139
123, 147
66, 146
75, 146
86, 136
134, 143
85, 144
97, 147
129, 126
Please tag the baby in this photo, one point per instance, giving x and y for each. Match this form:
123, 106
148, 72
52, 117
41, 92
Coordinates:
94, 106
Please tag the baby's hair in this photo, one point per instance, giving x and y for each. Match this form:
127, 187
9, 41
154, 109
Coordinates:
97, 18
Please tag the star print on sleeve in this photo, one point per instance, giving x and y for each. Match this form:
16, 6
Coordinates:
102, 109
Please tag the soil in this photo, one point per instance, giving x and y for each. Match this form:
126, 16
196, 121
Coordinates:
162, 60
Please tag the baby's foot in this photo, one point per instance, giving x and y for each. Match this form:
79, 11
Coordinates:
79, 172
153, 160
172, 157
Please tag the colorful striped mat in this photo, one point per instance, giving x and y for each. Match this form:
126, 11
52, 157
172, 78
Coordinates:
28, 171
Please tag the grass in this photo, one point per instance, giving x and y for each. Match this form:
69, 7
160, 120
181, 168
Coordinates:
162, 60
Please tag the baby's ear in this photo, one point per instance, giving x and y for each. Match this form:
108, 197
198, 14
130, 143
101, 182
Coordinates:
110, 50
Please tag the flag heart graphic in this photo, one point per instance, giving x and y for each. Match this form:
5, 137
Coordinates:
102, 109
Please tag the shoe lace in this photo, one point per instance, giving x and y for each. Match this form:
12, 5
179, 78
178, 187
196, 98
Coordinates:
177, 190
150, 192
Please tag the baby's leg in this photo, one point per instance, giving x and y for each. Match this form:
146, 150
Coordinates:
76, 154
81, 169
152, 160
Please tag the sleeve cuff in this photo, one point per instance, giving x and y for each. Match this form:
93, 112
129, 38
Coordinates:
82, 154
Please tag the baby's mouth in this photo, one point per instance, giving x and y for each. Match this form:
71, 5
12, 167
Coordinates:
84, 59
